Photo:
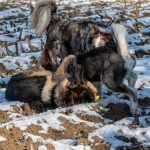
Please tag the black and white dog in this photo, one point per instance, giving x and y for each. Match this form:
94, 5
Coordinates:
114, 65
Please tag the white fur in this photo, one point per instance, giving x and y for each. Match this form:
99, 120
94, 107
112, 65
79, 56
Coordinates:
133, 107
119, 34
97, 41
46, 91
125, 81
133, 101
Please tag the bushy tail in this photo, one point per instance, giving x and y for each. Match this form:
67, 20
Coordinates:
119, 34
42, 14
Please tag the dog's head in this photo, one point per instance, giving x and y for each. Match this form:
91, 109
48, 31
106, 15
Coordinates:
97, 38
73, 91
79, 93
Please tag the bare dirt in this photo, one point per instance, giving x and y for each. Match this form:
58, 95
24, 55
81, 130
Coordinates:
76, 131
117, 111
15, 140
3, 117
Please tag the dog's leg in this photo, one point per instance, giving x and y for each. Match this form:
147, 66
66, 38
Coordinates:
109, 79
132, 79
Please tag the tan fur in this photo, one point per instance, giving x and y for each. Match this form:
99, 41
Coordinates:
60, 92
92, 87
49, 84
64, 65
36, 72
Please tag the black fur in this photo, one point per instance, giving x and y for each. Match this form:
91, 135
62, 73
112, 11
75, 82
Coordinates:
25, 89
106, 63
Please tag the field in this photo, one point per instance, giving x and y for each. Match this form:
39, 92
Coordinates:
105, 125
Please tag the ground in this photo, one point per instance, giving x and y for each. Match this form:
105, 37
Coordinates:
105, 125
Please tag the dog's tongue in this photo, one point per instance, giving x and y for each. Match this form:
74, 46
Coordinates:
97, 97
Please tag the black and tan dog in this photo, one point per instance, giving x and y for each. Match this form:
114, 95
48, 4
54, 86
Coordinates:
65, 37
43, 88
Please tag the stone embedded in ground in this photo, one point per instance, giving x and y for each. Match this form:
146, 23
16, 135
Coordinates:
123, 138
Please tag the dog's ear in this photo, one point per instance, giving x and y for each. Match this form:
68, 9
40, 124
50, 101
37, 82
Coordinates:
95, 31
61, 73
62, 69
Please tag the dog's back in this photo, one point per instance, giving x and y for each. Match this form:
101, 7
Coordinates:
97, 60
25, 89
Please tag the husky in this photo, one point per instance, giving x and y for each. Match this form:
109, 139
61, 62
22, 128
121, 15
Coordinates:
65, 37
114, 65
43, 88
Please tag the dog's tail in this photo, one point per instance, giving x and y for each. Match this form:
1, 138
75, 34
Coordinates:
42, 14
119, 34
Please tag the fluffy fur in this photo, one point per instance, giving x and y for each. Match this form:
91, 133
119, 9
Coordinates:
111, 68
45, 89
45, 10
119, 33
65, 37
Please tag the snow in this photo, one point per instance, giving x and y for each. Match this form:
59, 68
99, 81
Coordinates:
108, 130
43, 147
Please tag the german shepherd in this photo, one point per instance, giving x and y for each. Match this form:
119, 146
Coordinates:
44, 89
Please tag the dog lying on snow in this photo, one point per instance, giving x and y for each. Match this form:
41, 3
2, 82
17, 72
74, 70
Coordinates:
65, 37
50, 90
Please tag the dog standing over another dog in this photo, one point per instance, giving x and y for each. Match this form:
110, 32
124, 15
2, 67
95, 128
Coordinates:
111, 59
114, 65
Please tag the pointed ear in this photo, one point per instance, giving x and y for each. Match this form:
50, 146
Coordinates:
95, 30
